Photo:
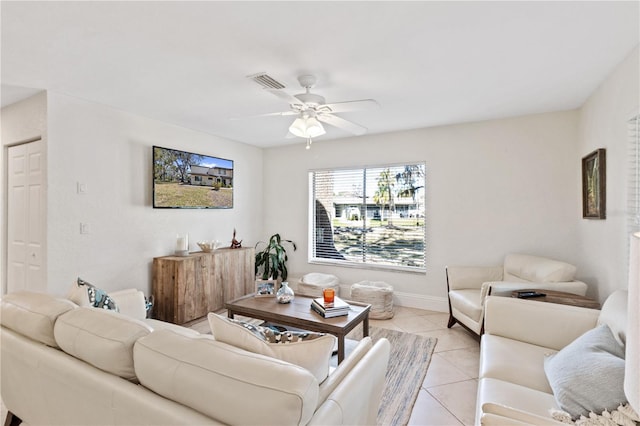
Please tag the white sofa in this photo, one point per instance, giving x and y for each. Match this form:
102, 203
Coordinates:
68, 365
468, 286
513, 387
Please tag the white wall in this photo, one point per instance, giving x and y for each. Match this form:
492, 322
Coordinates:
493, 187
23, 121
603, 244
110, 151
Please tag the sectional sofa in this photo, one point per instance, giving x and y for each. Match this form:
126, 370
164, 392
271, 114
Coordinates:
67, 364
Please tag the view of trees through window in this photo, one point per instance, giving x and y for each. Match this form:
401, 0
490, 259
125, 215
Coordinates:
373, 216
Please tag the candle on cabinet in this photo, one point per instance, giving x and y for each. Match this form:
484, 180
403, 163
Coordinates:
182, 245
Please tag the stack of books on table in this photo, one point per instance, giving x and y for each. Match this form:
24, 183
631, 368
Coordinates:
328, 310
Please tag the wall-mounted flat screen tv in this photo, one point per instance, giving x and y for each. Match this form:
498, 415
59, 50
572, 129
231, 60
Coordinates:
184, 180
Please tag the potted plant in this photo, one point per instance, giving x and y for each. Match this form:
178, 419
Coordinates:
272, 260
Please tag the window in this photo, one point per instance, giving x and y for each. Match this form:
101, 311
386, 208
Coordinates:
369, 217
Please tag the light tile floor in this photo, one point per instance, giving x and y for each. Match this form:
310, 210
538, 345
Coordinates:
448, 394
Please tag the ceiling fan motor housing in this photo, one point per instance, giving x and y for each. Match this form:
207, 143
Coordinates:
310, 99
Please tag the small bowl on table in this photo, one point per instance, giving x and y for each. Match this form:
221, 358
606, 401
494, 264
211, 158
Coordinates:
207, 246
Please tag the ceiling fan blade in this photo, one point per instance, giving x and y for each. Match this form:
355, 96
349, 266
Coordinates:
269, 114
285, 96
343, 124
350, 105
281, 113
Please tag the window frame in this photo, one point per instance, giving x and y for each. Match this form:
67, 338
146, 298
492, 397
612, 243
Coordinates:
633, 190
312, 259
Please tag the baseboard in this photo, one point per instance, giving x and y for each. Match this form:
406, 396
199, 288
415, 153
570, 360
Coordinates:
411, 300
420, 301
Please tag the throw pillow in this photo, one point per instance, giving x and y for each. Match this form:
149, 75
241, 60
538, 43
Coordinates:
311, 351
276, 336
98, 298
588, 374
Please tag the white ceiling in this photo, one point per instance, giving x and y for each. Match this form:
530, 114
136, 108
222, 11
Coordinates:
426, 63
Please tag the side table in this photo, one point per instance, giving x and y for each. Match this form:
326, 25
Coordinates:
562, 298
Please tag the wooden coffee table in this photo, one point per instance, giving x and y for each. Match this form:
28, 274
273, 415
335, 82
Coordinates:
563, 298
299, 314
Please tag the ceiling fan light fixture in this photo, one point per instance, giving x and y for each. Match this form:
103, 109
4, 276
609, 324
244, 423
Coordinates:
307, 127
314, 128
298, 128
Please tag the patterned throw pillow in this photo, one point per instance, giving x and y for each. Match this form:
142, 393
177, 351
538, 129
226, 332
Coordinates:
276, 336
273, 335
98, 298
308, 350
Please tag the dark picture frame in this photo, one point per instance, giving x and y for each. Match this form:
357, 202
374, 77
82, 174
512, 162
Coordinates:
266, 288
594, 180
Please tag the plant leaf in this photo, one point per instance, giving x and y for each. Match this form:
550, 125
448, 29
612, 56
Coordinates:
273, 257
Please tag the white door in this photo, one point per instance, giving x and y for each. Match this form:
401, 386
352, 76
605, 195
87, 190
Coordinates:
26, 268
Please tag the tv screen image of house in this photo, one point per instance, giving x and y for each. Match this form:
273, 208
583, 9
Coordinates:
185, 180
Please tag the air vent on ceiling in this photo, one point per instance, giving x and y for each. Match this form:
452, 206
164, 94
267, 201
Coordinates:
266, 81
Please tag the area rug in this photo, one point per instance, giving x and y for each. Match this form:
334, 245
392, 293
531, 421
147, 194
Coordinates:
408, 363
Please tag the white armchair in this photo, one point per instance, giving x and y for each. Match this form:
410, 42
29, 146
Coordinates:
468, 286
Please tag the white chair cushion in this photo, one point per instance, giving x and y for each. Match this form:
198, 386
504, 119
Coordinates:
101, 338
249, 388
514, 361
467, 302
33, 314
524, 267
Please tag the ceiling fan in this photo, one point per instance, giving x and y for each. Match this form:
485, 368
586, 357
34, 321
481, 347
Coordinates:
311, 110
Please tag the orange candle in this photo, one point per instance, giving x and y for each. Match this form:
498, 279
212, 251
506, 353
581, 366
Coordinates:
328, 294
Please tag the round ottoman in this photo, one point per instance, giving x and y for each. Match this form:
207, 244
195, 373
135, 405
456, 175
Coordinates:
313, 283
376, 293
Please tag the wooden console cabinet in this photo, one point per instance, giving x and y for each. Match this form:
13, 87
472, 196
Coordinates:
189, 287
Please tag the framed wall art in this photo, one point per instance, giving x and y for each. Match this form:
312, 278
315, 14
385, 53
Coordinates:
594, 179
184, 180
